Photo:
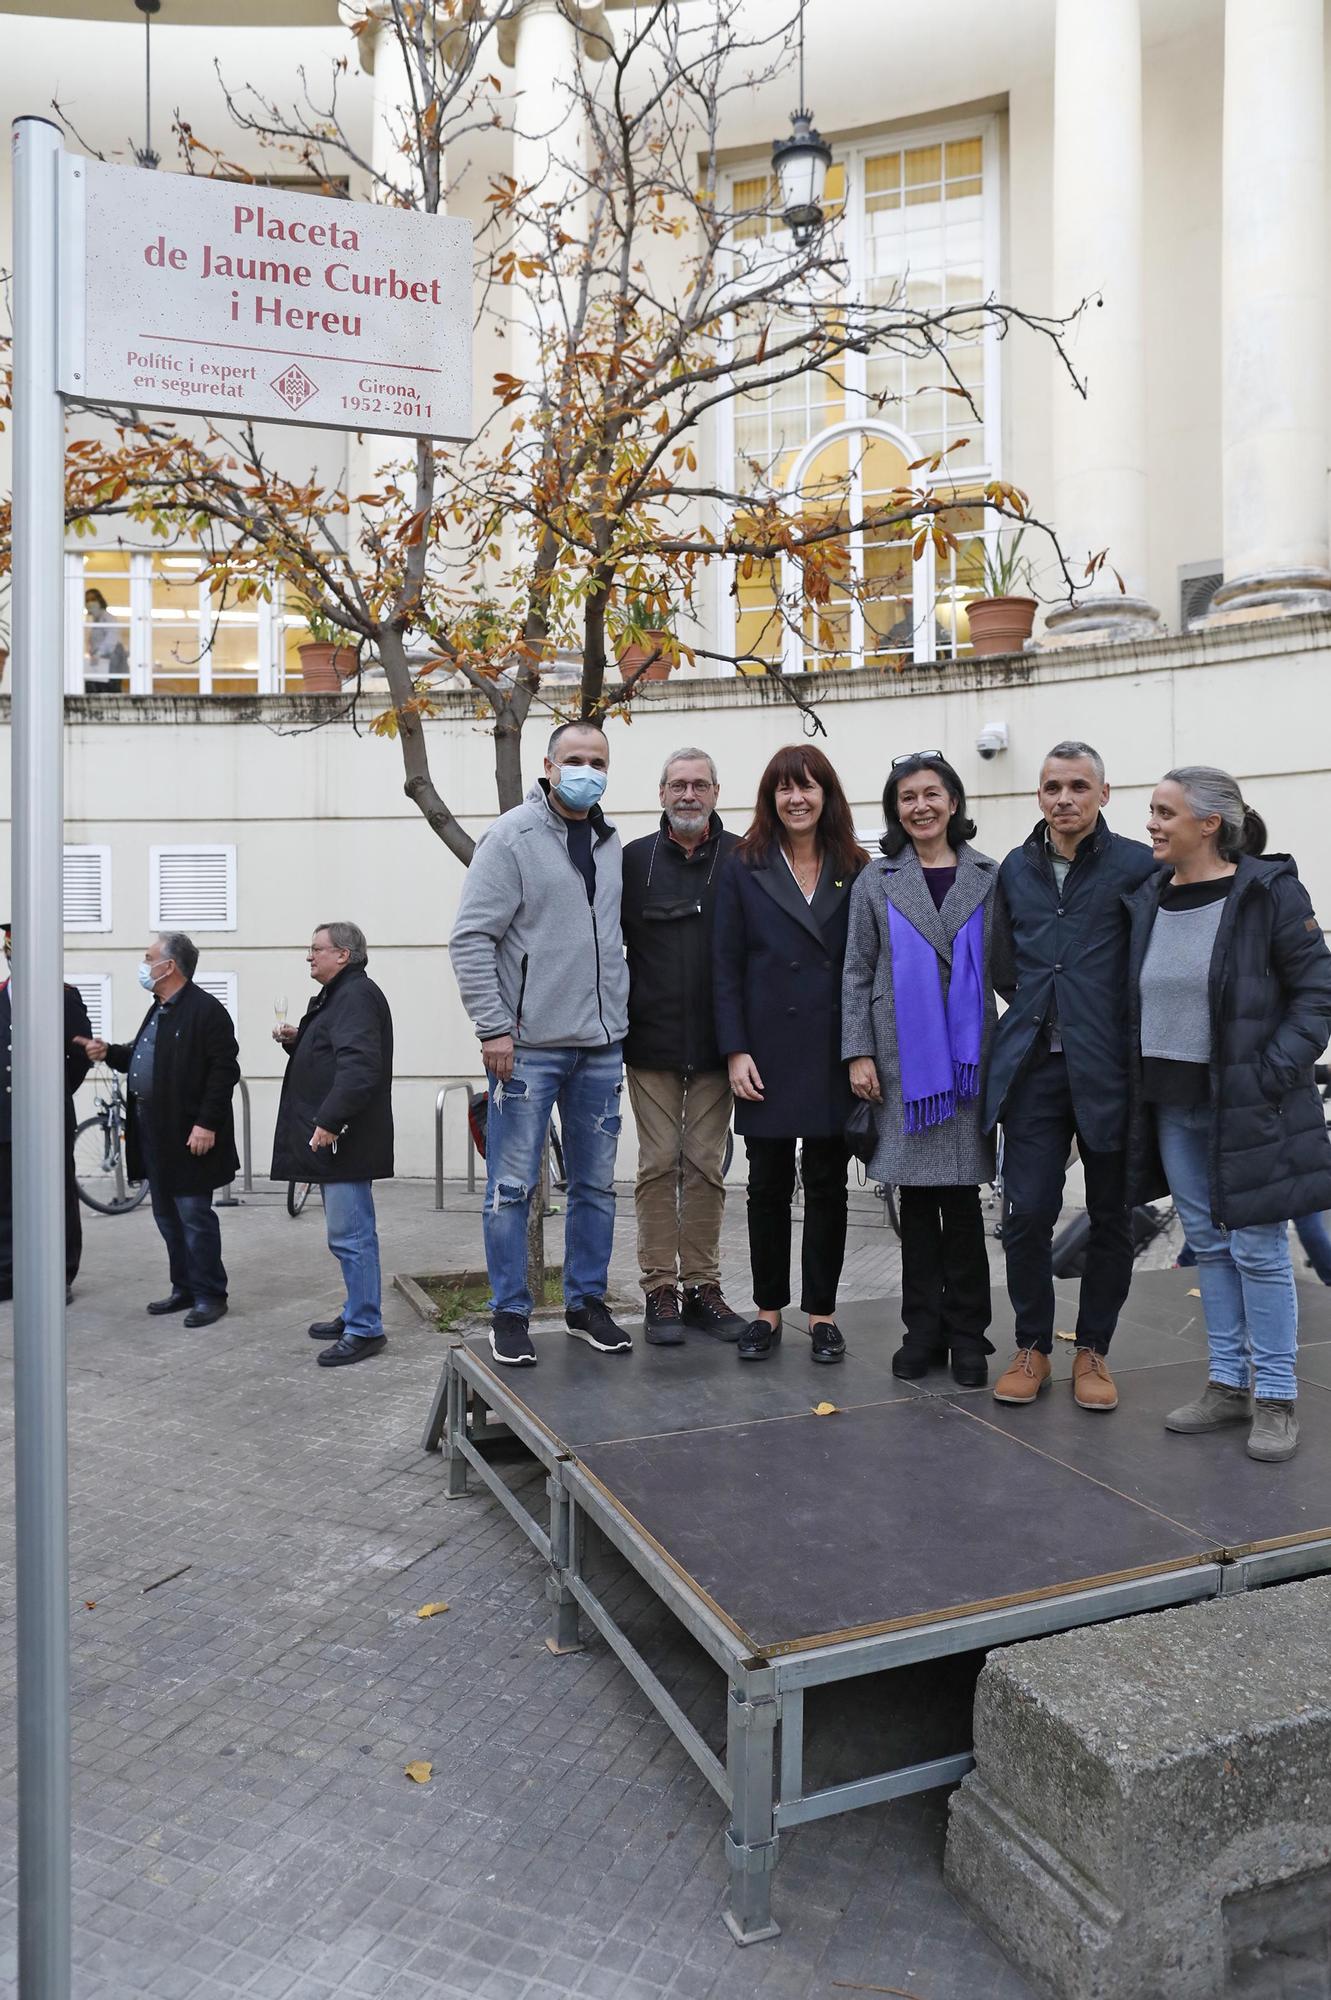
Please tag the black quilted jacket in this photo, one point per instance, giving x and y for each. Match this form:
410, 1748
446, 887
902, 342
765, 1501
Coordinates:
1270, 1021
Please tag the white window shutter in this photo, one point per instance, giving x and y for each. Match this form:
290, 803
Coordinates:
222, 986
95, 987
87, 888
192, 888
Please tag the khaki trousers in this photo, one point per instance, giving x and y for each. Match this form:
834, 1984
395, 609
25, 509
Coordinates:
680, 1193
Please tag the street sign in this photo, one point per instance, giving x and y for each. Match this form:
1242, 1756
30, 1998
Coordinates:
151, 292
233, 300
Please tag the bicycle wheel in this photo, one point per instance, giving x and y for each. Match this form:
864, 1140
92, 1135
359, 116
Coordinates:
298, 1193
100, 1170
558, 1174
893, 1214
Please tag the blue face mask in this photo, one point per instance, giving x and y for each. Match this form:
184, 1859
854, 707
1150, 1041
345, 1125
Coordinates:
580, 786
146, 976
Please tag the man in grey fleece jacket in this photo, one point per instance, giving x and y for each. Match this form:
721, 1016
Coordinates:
539, 959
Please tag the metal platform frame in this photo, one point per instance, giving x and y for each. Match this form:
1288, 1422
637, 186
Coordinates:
762, 1782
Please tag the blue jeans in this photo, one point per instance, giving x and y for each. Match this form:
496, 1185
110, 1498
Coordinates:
189, 1228
1245, 1275
585, 1083
354, 1241
1312, 1234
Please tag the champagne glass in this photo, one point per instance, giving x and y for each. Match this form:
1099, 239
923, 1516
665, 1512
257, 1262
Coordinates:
280, 1009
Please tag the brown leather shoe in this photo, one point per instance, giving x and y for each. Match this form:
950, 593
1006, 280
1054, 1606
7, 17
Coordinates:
1024, 1377
1092, 1384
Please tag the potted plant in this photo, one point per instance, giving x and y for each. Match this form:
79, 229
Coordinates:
648, 649
326, 660
1001, 620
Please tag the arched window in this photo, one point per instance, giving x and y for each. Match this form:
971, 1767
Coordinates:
916, 220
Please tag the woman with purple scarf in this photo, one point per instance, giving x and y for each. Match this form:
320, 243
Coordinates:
917, 1016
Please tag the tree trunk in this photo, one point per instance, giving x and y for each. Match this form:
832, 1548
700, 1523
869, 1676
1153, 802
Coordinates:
509, 788
418, 785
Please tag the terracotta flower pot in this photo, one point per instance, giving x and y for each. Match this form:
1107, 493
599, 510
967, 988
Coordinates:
633, 656
323, 668
1000, 624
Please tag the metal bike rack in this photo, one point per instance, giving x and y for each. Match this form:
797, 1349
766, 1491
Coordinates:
463, 1084
224, 1198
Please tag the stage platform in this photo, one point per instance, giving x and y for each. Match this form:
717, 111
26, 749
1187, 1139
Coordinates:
914, 1522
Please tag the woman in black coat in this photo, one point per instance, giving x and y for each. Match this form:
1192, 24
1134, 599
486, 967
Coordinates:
1229, 998
781, 910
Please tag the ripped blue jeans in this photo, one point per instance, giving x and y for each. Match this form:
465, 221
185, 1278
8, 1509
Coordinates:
585, 1083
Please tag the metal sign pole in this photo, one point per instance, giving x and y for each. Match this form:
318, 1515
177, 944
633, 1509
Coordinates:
40, 1431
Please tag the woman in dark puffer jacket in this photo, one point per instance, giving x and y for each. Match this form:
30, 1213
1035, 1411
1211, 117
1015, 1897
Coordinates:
1230, 1006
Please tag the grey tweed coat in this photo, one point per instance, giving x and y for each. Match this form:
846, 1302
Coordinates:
957, 1153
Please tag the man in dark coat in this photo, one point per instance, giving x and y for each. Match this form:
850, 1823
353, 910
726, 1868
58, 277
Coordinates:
77, 1030
335, 1125
677, 1079
1059, 1068
183, 1070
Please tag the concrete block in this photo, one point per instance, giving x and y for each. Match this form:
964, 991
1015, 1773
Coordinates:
1150, 1812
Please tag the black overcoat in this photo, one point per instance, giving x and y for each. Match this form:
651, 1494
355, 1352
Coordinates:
195, 1073
776, 971
1069, 951
339, 1075
669, 912
1270, 993
76, 1062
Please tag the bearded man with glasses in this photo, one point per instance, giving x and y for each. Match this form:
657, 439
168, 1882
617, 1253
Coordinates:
678, 1085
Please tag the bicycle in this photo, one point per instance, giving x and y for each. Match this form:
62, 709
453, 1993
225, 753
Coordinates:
478, 1113
298, 1193
99, 1155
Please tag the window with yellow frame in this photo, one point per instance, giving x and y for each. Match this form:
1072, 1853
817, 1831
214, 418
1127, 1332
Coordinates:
919, 235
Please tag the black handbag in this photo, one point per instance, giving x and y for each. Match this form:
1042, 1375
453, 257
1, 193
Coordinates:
861, 1131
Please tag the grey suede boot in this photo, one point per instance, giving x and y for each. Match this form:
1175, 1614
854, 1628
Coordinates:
1217, 1405
1275, 1431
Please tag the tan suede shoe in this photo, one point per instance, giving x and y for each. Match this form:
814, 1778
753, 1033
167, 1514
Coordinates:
1092, 1384
1024, 1377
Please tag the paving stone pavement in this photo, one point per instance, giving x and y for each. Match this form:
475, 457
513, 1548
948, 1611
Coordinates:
250, 1541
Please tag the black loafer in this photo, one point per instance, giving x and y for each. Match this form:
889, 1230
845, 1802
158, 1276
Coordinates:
969, 1374
206, 1315
909, 1363
178, 1302
829, 1343
758, 1340
328, 1329
351, 1348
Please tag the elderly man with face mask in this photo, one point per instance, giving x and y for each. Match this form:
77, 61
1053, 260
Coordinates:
538, 955
678, 1085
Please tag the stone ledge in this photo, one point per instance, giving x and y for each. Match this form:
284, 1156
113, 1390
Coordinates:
1254, 640
1133, 1778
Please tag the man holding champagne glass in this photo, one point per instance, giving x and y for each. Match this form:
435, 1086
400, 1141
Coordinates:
335, 1126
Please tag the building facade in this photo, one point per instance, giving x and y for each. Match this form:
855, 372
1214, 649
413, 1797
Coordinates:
1164, 159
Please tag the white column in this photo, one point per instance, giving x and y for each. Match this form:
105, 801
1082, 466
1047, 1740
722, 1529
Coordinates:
1099, 498
1273, 316
549, 144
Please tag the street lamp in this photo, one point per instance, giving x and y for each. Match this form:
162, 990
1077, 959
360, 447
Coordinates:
800, 163
144, 154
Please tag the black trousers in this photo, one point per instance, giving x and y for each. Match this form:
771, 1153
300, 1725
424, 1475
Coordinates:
73, 1218
771, 1191
1038, 1129
945, 1301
